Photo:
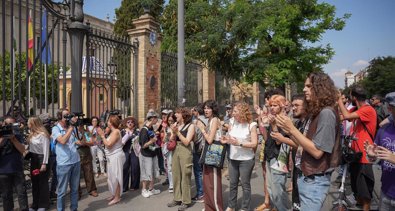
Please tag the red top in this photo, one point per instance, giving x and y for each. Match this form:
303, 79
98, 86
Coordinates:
368, 116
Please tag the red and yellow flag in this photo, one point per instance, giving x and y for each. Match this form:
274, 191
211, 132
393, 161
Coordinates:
30, 43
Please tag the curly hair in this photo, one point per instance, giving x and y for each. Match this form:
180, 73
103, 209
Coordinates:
323, 93
186, 114
244, 112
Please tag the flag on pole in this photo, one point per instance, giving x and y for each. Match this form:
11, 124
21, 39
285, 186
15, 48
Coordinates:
45, 54
13, 57
30, 43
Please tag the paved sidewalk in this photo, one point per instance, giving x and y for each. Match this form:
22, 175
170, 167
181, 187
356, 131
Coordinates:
133, 201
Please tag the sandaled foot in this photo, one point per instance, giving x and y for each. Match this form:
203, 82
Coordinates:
263, 207
114, 201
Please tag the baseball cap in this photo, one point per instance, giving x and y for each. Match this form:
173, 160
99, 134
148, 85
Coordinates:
151, 114
390, 98
167, 111
228, 106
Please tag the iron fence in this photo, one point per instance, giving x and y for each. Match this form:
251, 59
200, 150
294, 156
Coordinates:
30, 57
169, 82
35, 62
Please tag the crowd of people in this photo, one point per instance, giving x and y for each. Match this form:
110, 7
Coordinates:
309, 137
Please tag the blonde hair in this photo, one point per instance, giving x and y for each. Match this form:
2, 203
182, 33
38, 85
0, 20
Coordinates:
245, 113
36, 127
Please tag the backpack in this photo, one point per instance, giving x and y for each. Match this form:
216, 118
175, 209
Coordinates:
198, 139
53, 142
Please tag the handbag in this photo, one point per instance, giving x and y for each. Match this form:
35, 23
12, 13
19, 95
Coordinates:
214, 154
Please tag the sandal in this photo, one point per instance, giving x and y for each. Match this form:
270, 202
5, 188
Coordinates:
114, 202
262, 207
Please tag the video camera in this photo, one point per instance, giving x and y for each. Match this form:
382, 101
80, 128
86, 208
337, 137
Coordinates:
107, 116
80, 119
7, 131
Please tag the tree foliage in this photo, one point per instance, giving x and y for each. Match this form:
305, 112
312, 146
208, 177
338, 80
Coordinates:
37, 81
255, 39
380, 76
132, 9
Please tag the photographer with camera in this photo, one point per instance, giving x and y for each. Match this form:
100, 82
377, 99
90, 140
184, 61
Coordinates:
11, 166
67, 159
364, 130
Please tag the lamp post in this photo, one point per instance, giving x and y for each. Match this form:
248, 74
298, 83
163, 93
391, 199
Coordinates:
74, 15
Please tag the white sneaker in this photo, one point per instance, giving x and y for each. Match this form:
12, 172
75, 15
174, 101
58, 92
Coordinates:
171, 190
145, 193
153, 192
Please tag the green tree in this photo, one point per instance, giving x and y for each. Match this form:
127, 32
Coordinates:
255, 39
36, 81
380, 76
132, 9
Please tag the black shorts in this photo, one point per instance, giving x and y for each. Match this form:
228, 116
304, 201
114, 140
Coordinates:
362, 180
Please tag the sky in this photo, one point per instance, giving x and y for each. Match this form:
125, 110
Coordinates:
369, 32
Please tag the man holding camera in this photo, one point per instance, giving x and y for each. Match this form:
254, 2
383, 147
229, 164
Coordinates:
67, 159
364, 130
11, 168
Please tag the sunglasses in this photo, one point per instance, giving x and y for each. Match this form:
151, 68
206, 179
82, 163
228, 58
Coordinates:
130, 122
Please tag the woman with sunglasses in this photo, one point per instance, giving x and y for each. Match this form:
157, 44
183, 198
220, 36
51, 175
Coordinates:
131, 167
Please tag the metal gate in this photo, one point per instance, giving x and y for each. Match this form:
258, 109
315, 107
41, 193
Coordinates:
35, 61
109, 79
193, 81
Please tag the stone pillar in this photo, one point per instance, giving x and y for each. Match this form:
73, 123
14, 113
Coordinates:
148, 66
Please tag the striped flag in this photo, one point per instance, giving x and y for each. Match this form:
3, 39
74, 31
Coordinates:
30, 43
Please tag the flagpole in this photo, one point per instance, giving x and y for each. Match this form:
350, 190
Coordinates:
13, 60
45, 88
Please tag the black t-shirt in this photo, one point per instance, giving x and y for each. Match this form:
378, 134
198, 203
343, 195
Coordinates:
11, 160
146, 133
271, 148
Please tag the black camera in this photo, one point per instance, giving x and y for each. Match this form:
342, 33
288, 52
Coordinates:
349, 155
9, 130
80, 119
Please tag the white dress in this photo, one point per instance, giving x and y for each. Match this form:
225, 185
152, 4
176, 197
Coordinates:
115, 160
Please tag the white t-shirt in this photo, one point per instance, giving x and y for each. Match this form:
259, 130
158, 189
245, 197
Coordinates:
241, 131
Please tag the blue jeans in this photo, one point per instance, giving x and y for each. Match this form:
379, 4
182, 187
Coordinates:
198, 172
313, 191
68, 174
276, 181
386, 204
